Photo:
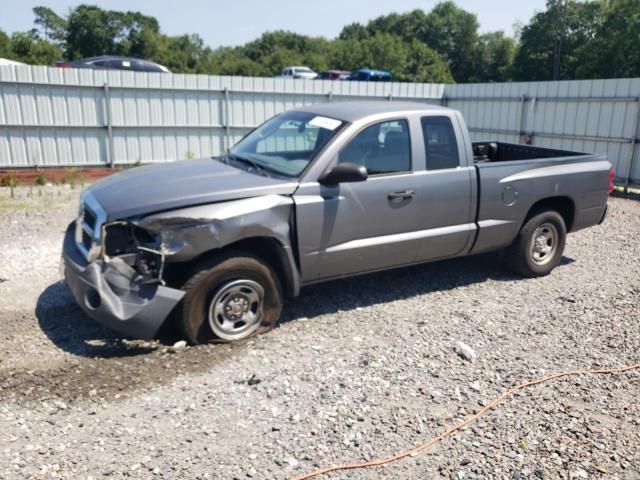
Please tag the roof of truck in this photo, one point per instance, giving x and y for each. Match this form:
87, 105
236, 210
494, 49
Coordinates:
353, 111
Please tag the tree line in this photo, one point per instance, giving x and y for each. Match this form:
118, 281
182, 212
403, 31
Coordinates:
569, 39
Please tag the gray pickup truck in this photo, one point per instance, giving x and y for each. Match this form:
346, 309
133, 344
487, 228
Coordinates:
314, 194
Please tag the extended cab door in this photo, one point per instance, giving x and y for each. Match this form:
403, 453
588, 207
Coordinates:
449, 191
362, 226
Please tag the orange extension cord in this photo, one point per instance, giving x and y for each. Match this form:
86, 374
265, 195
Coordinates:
464, 423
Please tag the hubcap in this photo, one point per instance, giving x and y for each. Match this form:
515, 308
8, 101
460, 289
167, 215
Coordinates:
236, 309
544, 243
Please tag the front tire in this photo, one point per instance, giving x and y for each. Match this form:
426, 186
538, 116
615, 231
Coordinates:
539, 246
230, 298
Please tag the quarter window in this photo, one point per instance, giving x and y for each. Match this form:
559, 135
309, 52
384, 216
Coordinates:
381, 148
440, 143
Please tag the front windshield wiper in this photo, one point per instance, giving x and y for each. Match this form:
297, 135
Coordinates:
256, 166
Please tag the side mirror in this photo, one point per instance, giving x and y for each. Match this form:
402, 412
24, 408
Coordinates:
343, 173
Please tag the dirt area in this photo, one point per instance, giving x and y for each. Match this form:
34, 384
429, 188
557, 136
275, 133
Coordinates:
358, 369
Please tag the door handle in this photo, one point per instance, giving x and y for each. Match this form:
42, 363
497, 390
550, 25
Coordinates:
401, 195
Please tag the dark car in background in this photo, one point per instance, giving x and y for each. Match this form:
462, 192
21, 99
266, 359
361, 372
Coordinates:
334, 75
112, 62
370, 75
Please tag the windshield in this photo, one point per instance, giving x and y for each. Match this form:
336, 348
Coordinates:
286, 144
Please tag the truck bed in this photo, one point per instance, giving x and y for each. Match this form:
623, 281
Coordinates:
484, 152
512, 178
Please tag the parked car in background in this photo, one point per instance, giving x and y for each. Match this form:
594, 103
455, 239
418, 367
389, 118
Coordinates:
368, 75
112, 62
314, 194
6, 62
334, 75
298, 72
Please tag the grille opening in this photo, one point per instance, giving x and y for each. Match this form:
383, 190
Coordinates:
89, 218
86, 240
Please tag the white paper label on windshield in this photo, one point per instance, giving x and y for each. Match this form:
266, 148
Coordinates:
325, 122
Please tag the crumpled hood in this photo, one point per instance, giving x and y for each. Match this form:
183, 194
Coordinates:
158, 187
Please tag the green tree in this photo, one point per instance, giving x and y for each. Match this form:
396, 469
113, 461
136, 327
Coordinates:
494, 57
425, 65
232, 61
539, 40
5, 45
184, 53
614, 51
279, 49
448, 30
383, 51
29, 48
354, 31
52, 26
453, 33
406, 61
93, 31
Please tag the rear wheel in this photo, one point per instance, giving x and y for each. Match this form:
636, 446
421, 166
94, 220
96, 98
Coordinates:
539, 246
230, 298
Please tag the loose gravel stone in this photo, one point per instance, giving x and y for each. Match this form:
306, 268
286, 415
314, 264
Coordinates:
466, 352
359, 369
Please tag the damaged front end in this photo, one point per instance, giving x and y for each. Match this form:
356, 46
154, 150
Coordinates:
120, 270
115, 271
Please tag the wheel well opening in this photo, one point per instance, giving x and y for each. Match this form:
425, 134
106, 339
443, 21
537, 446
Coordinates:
272, 252
563, 205
265, 248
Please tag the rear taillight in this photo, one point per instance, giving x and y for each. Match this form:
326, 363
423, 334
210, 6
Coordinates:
611, 177
63, 65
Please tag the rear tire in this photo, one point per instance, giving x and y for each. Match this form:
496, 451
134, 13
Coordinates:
230, 298
539, 246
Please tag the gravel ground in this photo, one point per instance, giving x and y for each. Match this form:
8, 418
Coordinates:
359, 369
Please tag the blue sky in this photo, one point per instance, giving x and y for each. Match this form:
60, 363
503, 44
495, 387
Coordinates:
233, 22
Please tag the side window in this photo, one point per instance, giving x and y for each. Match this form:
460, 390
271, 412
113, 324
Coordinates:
440, 143
120, 64
382, 148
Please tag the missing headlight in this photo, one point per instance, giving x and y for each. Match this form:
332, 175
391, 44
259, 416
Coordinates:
137, 247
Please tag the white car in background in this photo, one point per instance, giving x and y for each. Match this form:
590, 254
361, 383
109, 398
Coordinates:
298, 72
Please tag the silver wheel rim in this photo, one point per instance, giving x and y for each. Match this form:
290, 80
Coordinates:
236, 309
544, 244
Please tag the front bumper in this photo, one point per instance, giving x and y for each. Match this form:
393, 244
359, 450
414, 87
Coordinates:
112, 298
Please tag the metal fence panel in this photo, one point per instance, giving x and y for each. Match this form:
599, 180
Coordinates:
599, 116
79, 117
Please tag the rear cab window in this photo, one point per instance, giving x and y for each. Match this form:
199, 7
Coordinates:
440, 143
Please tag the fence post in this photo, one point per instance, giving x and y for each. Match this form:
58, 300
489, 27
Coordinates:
227, 127
107, 101
634, 143
524, 138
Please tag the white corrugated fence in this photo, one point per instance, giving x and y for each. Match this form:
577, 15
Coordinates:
83, 117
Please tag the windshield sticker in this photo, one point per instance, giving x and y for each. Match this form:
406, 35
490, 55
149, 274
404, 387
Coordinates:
325, 122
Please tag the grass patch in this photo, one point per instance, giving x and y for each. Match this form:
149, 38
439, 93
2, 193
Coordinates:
73, 177
10, 180
41, 178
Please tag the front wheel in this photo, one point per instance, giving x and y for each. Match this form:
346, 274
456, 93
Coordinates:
230, 298
539, 246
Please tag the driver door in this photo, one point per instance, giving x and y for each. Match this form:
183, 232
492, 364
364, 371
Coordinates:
362, 226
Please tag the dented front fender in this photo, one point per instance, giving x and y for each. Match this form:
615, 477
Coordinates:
189, 232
